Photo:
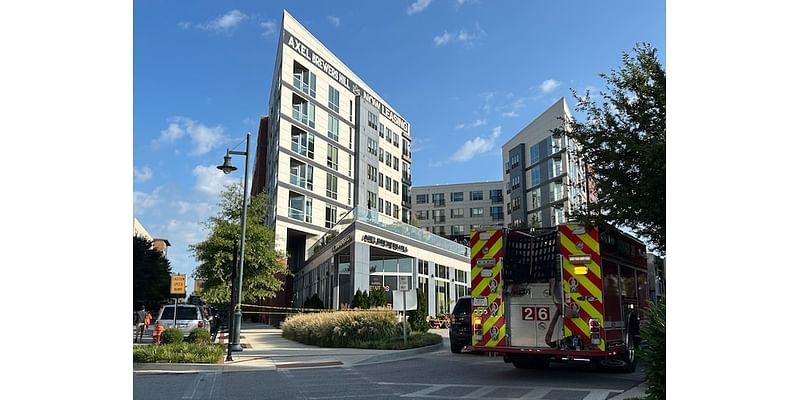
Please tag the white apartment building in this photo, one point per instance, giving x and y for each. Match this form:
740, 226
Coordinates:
334, 159
543, 180
454, 210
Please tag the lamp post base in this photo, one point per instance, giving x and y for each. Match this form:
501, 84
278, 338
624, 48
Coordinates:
236, 331
235, 347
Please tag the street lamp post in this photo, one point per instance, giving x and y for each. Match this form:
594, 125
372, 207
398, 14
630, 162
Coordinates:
235, 329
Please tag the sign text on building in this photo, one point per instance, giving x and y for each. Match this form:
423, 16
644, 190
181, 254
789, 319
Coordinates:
384, 243
334, 73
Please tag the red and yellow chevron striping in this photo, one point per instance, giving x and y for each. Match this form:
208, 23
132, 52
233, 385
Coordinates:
487, 255
583, 292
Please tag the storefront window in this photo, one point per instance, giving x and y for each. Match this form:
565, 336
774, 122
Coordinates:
406, 265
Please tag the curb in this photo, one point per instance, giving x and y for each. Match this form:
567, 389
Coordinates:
400, 354
638, 391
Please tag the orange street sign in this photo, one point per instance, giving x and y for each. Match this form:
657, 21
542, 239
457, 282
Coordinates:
177, 284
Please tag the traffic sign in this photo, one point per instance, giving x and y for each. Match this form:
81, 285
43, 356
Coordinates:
177, 284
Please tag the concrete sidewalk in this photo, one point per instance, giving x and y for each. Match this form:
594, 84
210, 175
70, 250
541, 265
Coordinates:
265, 348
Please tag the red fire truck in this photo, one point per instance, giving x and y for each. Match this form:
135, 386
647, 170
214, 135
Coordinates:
558, 294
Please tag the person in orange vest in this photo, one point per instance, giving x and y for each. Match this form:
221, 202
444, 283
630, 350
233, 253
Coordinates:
157, 332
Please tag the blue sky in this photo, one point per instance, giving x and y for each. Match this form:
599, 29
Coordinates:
466, 74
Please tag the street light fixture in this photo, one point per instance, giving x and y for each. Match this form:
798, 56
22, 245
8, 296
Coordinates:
236, 291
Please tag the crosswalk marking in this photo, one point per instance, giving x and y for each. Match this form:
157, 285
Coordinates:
427, 390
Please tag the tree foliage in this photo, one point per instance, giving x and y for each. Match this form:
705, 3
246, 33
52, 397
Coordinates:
624, 142
418, 318
262, 263
377, 297
151, 274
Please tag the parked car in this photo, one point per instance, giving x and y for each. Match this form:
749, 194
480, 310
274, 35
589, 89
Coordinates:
189, 317
460, 325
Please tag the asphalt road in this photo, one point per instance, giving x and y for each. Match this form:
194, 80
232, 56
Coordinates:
439, 375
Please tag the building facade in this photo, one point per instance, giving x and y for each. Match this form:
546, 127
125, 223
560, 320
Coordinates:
543, 180
453, 210
332, 150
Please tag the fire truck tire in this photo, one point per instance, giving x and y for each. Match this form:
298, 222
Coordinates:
455, 347
631, 356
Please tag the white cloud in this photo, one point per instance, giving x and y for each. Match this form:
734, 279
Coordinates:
184, 25
226, 22
200, 209
476, 146
142, 175
549, 85
210, 180
203, 137
418, 6
143, 201
460, 3
336, 21
464, 37
511, 113
477, 123
269, 27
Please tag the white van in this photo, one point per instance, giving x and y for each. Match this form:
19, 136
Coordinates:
189, 317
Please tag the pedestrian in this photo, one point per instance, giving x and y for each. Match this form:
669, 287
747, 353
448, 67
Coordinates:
139, 319
147, 319
157, 332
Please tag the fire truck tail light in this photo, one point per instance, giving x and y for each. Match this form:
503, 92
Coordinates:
476, 321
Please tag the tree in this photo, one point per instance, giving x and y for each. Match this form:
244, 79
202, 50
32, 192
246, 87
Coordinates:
624, 143
151, 274
418, 318
262, 263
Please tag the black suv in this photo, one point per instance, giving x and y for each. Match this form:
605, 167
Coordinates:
461, 325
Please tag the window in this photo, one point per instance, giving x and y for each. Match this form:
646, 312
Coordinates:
380, 204
302, 111
330, 216
476, 212
457, 196
476, 195
515, 182
457, 213
396, 140
536, 178
388, 208
556, 191
389, 135
422, 215
536, 198
395, 187
380, 179
305, 80
515, 203
557, 146
396, 211
333, 99
496, 196
496, 213
332, 186
457, 230
372, 147
301, 175
438, 199
300, 207
381, 129
372, 200
439, 230
388, 159
515, 161
380, 154
438, 215
535, 153
372, 120
422, 198
396, 162
349, 193
302, 142
372, 173
554, 165
333, 127
333, 156
388, 183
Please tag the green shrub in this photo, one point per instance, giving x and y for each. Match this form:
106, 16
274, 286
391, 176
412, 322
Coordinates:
200, 336
313, 302
654, 351
377, 297
418, 318
341, 328
358, 300
179, 353
171, 335
414, 339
